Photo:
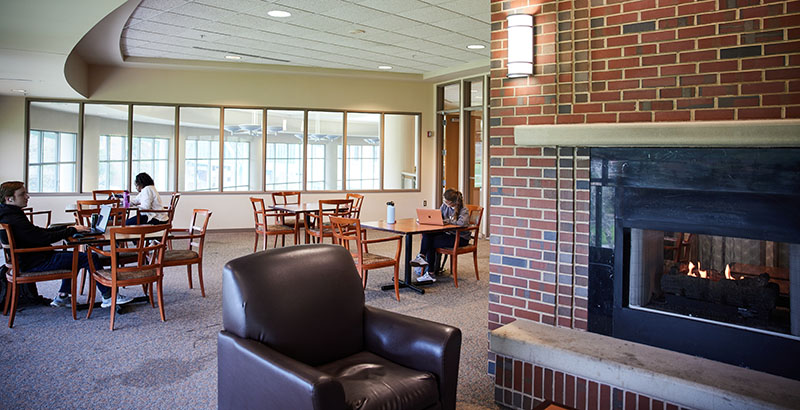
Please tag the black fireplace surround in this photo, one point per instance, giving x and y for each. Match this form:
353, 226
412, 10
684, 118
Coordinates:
747, 193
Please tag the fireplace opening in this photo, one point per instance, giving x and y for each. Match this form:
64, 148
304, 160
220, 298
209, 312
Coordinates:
728, 280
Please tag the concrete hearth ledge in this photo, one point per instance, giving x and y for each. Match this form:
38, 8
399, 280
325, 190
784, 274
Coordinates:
682, 379
756, 133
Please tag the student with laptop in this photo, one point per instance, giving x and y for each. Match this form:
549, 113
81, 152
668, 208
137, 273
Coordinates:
148, 198
14, 197
452, 212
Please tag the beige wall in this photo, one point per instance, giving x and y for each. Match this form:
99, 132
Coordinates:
368, 92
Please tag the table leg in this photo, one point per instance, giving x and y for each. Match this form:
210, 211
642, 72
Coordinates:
407, 266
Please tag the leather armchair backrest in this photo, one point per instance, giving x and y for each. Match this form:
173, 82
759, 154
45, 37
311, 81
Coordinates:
303, 301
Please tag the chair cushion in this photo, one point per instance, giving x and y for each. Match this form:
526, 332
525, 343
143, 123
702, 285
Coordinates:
123, 258
49, 272
171, 255
371, 258
372, 382
106, 273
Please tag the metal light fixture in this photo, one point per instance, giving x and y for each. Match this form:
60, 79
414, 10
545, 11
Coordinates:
520, 45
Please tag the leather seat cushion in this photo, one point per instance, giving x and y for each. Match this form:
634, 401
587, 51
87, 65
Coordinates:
179, 255
372, 382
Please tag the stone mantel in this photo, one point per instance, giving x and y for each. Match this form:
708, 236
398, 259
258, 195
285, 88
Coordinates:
755, 133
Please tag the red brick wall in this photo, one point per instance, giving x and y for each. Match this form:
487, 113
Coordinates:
612, 61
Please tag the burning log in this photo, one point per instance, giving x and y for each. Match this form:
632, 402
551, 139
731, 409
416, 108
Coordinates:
752, 293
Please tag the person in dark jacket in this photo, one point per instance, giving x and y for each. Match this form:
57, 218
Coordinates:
14, 197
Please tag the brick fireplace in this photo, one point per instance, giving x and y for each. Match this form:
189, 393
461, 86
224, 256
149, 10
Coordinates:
682, 68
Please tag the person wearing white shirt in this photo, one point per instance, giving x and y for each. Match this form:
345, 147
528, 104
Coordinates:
148, 198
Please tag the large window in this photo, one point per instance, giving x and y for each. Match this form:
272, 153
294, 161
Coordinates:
53, 147
153, 149
363, 151
216, 149
199, 135
284, 162
325, 130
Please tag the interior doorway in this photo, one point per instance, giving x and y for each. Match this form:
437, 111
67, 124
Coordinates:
474, 131
450, 150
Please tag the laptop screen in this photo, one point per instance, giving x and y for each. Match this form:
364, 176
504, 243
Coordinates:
102, 218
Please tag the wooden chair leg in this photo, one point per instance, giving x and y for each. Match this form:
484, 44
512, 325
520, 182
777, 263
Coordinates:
396, 281
475, 262
74, 287
200, 278
114, 291
13, 312
189, 275
275, 244
8, 298
161, 301
84, 273
92, 288
265, 242
454, 268
255, 245
150, 294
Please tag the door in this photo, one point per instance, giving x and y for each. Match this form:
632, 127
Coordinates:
475, 157
450, 149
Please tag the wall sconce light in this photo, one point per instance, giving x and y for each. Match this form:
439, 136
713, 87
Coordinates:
520, 45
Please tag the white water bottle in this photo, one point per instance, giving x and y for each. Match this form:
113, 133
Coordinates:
390, 212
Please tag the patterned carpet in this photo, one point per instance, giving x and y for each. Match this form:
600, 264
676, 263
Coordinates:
50, 361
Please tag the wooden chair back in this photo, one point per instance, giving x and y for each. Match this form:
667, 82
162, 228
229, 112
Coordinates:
347, 231
197, 229
96, 203
117, 217
318, 223
137, 240
358, 199
285, 197
106, 193
31, 214
474, 226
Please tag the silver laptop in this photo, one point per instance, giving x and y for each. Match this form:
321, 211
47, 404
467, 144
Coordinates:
100, 225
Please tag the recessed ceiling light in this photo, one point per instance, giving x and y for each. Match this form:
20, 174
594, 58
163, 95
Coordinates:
476, 46
279, 13
19, 90
233, 57
385, 67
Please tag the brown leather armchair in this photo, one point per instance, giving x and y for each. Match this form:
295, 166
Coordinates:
297, 335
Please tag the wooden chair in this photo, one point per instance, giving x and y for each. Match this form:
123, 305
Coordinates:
31, 214
475, 216
196, 234
358, 199
146, 270
99, 194
261, 216
315, 223
16, 278
96, 203
347, 231
286, 198
169, 211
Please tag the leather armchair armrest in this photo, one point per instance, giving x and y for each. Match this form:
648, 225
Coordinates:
252, 375
418, 344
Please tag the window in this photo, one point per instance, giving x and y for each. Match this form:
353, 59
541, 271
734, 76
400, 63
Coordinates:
241, 169
53, 147
325, 131
51, 161
284, 162
401, 139
153, 149
363, 151
105, 144
199, 134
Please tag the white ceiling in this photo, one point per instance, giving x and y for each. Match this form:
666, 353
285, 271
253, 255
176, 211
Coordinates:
412, 36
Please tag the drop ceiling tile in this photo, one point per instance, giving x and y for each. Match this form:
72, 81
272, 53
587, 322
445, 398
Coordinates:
468, 7
163, 5
159, 28
384, 37
320, 22
429, 14
422, 31
393, 6
312, 6
354, 13
461, 25
239, 6
388, 22
144, 13
203, 11
203, 35
178, 20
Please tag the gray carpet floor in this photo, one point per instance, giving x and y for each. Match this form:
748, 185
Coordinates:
50, 361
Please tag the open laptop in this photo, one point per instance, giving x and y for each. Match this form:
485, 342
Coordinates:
430, 216
99, 227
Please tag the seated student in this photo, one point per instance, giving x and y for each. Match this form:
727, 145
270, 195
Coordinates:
148, 198
453, 213
14, 197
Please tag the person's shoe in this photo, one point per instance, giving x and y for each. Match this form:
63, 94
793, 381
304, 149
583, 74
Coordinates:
426, 278
121, 300
60, 301
419, 261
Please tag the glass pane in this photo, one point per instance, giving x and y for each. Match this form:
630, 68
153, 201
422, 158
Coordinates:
452, 97
66, 178
401, 139
475, 94
284, 160
154, 135
110, 121
33, 148
50, 147
363, 135
199, 134
57, 120
325, 131
49, 178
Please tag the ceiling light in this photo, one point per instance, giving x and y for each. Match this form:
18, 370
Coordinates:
357, 31
476, 46
233, 57
385, 67
19, 91
279, 13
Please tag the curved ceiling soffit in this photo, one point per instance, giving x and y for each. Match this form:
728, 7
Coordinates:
99, 46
